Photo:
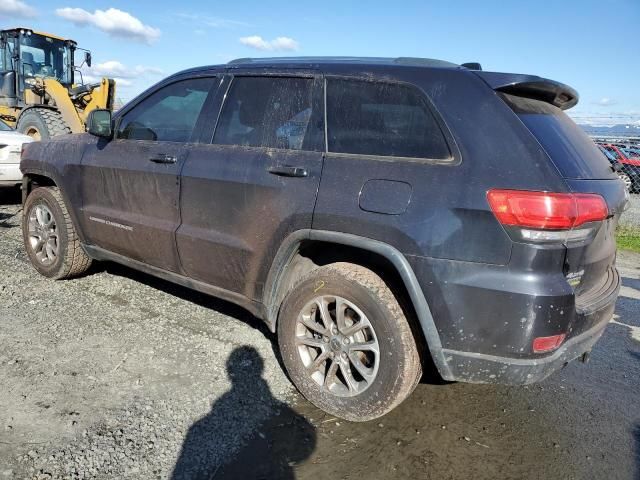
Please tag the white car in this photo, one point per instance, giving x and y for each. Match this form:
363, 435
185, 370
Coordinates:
10, 145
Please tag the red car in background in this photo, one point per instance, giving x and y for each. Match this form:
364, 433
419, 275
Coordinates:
621, 156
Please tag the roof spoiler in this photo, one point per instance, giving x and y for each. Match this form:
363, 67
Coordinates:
531, 86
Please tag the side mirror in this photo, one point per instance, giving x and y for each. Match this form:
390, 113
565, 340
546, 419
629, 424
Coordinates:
99, 123
87, 58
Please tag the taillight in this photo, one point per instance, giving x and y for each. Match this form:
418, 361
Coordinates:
544, 216
547, 344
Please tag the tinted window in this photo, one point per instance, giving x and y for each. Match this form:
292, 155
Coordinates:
381, 119
170, 114
568, 146
270, 112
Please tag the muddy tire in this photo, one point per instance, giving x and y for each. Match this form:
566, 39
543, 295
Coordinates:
347, 344
49, 236
42, 123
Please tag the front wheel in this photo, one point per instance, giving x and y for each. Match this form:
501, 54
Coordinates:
347, 344
49, 236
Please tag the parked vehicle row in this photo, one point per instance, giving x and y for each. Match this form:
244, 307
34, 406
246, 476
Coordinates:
626, 161
378, 214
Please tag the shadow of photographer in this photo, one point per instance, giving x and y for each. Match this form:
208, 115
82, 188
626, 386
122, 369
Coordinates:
282, 441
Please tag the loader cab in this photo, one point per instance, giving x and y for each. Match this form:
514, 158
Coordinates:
24, 55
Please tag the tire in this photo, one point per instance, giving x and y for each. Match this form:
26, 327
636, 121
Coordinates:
626, 179
365, 300
42, 123
53, 248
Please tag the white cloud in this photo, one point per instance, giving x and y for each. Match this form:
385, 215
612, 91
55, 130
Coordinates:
123, 75
280, 43
113, 68
605, 102
114, 22
16, 9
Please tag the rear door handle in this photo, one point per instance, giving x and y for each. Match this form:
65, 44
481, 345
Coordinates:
164, 159
287, 171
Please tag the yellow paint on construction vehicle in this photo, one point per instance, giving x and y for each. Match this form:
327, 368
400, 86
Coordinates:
101, 97
52, 36
41, 90
62, 102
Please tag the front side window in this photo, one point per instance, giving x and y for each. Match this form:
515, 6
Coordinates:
382, 119
169, 114
269, 112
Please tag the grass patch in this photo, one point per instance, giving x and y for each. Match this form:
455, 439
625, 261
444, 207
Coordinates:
628, 238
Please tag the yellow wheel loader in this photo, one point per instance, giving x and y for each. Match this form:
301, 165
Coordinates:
39, 94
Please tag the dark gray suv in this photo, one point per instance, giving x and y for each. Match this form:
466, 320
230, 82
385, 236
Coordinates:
378, 214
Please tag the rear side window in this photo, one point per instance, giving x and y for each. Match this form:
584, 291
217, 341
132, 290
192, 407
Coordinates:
169, 114
270, 112
568, 146
382, 119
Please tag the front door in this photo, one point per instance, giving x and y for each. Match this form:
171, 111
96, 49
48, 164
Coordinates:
130, 185
254, 183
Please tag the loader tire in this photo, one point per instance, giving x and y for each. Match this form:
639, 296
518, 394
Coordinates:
42, 123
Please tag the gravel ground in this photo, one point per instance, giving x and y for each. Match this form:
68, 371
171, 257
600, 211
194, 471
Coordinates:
632, 216
104, 375
120, 375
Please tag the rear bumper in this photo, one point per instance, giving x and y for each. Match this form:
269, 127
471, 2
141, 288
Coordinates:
482, 368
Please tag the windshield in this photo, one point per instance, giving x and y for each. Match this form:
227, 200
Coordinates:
44, 56
4, 127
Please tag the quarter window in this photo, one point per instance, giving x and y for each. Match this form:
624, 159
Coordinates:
270, 112
382, 119
169, 114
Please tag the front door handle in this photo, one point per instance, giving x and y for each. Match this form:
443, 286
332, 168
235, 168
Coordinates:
164, 159
288, 171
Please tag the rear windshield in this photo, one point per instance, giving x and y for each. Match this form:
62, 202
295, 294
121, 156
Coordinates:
570, 149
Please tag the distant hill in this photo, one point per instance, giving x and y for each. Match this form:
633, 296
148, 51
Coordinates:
623, 130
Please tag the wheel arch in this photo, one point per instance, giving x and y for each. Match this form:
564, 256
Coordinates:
305, 250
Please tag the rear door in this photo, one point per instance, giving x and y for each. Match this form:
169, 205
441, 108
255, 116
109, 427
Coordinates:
252, 182
130, 185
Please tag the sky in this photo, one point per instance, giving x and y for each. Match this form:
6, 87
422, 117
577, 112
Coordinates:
592, 45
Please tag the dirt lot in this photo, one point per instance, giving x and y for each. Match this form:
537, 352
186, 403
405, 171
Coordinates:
120, 375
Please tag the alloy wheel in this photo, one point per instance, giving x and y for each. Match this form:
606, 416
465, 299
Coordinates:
43, 234
337, 345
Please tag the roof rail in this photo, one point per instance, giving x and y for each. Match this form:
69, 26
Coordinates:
406, 61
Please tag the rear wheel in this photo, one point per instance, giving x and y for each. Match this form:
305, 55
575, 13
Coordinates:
49, 236
42, 123
626, 180
347, 344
